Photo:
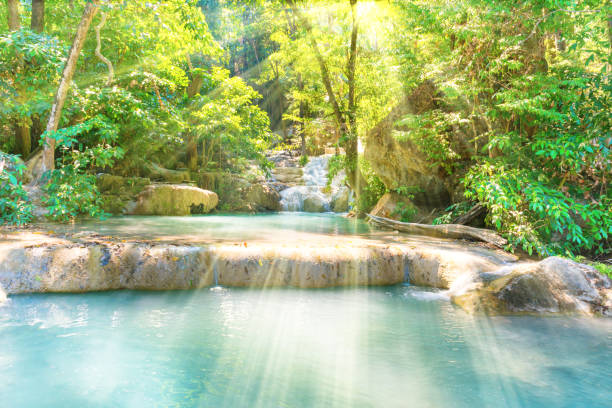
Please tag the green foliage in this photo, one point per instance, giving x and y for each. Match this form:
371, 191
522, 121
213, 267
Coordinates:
70, 191
537, 216
534, 96
304, 160
372, 191
603, 268
431, 133
452, 212
229, 123
30, 66
335, 165
405, 212
15, 206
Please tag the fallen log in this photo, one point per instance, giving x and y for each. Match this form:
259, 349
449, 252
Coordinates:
451, 231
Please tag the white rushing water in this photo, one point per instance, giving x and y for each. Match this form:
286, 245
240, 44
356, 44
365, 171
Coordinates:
312, 195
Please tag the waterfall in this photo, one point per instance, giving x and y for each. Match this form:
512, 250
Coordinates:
312, 193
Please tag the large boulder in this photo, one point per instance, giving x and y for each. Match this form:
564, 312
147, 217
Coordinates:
288, 175
400, 163
554, 285
119, 193
236, 193
262, 197
172, 199
315, 203
340, 200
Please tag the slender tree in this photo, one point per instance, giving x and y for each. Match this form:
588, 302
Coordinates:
22, 130
48, 158
346, 126
37, 22
13, 15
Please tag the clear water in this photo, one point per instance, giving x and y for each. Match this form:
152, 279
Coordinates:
228, 227
387, 347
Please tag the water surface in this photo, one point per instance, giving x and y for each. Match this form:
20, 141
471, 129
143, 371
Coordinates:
380, 347
226, 227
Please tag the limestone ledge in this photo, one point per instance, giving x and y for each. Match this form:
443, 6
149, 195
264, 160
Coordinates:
478, 279
42, 263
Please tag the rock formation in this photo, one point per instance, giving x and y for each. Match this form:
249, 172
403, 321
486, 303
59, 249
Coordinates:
171, 199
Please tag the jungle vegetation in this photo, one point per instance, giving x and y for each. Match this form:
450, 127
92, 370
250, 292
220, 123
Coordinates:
120, 86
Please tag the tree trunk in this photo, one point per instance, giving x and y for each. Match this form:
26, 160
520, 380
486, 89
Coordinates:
62, 91
610, 31
24, 141
323, 68
14, 23
347, 129
194, 87
192, 153
300, 84
449, 231
355, 179
38, 16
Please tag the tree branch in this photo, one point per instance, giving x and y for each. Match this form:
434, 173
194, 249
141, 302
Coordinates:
111, 71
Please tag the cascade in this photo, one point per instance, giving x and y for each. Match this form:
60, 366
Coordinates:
310, 192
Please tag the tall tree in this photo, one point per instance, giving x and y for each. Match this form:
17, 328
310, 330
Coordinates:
13, 15
346, 122
352, 143
37, 22
48, 158
22, 130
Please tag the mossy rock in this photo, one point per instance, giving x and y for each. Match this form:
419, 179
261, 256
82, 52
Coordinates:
172, 199
118, 191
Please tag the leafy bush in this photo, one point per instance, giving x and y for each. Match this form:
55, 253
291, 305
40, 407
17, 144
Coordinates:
334, 166
536, 216
15, 206
71, 193
452, 212
70, 190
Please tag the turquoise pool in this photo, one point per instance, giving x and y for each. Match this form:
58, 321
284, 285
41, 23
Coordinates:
380, 347
224, 226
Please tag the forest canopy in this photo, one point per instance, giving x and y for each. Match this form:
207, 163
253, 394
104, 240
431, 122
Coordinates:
499, 105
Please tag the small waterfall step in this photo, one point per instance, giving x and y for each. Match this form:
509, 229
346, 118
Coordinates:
308, 186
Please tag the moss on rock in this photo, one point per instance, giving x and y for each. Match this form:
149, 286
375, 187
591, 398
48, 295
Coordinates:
171, 199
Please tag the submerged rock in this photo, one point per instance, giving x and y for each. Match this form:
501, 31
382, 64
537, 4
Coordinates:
169, 199
554, 285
